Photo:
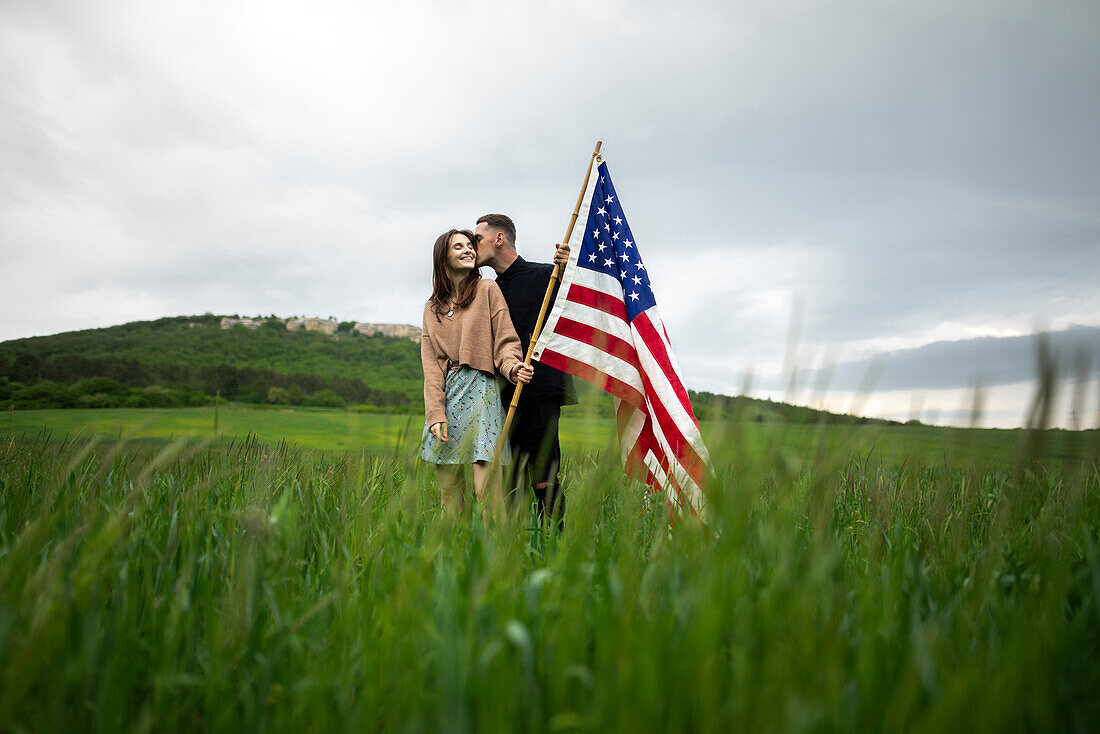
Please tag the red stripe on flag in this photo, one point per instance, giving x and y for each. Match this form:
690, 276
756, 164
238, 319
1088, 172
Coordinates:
635, 454
684, 451
597, 299
635, 459
669, 487
670, 476
636, 467
597, 377
657, 348
598, 338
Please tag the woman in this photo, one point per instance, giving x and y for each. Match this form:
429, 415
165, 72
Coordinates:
468, 338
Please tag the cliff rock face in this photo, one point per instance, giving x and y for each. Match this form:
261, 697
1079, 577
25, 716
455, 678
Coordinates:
325, 326
229, 323
399, 330
329, 326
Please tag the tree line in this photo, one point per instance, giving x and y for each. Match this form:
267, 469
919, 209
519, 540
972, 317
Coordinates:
74, 381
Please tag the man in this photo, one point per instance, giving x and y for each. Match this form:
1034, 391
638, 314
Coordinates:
534, 438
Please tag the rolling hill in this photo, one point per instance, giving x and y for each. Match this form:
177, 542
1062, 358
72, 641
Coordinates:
188, 360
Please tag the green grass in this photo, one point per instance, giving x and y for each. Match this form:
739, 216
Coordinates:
316, 428
339, 430
174, 585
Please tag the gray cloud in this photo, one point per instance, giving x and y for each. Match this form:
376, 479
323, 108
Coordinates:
984, 361
909, 173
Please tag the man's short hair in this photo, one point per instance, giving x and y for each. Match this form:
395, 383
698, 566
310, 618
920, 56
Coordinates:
502, 223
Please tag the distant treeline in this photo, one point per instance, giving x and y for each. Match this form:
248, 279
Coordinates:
94, 392
708, 406
72, 381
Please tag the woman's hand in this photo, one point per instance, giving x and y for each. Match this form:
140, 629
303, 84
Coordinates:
439, 430
522, 373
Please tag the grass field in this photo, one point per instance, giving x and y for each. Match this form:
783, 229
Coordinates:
339, 430
891, 579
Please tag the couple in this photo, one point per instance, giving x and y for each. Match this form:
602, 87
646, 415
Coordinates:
474, 330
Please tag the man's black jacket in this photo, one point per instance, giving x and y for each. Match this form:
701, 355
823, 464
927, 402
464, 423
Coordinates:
523, 285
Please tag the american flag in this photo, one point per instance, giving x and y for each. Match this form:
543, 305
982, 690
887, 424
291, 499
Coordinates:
605, 328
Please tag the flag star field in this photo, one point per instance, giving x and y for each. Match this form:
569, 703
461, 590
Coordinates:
608, 247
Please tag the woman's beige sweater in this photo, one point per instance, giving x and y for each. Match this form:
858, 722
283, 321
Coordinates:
480, 336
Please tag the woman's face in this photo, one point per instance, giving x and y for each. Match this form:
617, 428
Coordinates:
461, 254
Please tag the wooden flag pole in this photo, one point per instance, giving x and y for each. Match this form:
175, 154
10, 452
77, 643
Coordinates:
554, 278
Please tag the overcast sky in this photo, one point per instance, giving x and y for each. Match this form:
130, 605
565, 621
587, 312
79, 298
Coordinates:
884, 195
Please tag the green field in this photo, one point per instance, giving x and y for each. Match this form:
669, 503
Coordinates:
851, 578
338, 430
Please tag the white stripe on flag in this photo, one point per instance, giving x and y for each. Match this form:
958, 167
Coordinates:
599, 282
631, 431
601, 320
653, 463
593, 356
668, 397
679, 473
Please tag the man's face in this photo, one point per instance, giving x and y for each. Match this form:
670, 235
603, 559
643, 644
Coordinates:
485, 238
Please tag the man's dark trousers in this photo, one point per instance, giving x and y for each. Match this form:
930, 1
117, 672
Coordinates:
536, 456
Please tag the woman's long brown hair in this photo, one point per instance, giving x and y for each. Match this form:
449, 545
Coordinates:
443, 290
